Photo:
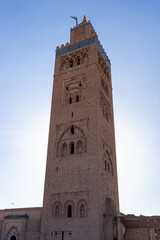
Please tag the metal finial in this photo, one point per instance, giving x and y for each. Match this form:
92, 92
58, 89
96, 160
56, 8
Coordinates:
75, 18
84, 18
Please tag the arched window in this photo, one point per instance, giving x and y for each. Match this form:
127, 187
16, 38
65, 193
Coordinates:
70, 100
78, 61
79, 146
72, 148
72, 130
82, 211
69, 211
13, 237
77, 98
63, 66
64, 150
71, 63
82, 208
57, 211
85, 58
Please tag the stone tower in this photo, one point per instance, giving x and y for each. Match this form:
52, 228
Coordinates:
81, 190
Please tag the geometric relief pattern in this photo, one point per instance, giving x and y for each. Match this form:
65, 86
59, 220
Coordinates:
70, 209
13, 234
104, 67
104, 86
108, 166
72, 141
73, 59
79, 35
105, 106
73, 92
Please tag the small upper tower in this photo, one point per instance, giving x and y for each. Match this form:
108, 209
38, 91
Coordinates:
82, 32
81, 190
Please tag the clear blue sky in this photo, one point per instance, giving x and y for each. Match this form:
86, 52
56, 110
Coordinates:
129, 31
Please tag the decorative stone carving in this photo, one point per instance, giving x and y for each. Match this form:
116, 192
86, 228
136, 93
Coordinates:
74, 59
104, 67
104, 86
105, 106
74, 142
73, 90
108, 166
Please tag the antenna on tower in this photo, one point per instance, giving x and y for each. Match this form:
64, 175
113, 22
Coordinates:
75, 18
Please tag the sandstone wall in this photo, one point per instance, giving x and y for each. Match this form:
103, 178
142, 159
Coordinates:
24, 223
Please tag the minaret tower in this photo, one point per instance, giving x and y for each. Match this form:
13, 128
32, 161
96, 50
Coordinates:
81, 190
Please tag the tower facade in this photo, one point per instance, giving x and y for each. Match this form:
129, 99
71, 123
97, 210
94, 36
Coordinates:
81, 190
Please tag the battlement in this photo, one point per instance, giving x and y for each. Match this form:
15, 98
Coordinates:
64, 49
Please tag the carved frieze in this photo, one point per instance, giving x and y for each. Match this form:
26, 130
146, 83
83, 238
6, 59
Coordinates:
74, 58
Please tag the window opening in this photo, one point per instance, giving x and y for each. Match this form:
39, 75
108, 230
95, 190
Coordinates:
70, 100
72, 130
72, 114
72, 148
77, 98
71, 64
69, 211
78, 61
80, 85
13, 237
66, 88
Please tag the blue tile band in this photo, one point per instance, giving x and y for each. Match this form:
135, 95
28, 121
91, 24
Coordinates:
75, 46
17, 216
82, 44
103, 54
